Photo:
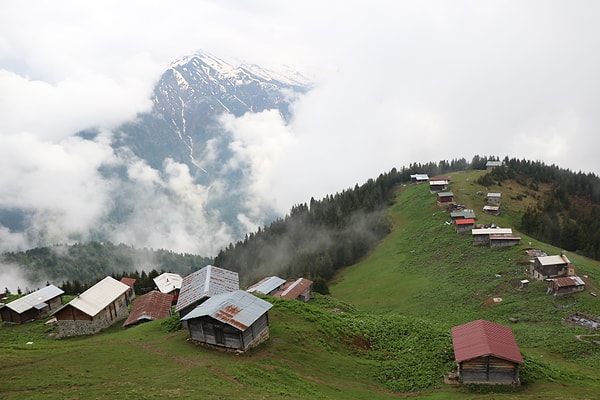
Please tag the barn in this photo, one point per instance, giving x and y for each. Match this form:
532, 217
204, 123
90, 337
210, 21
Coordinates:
32, 306
98, 307
486, 352
209, 281
233, 321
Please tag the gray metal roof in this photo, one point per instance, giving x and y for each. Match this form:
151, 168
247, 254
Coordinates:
206, 282
168, 282
267, 285
553, 260
239, 309
36, 299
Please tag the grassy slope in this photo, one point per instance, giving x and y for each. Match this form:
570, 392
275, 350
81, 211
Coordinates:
419, 282
425, 269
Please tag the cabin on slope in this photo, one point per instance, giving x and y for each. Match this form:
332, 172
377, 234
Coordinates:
97, 308
233, 321
565, 285
269, 285
547, 267
298, 289
199, 286
149, 307
419, 178
32, 306
486, 352
481, 236
445, 198
464, 225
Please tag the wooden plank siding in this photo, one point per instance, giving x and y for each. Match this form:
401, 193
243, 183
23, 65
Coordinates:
212, 332
489, 369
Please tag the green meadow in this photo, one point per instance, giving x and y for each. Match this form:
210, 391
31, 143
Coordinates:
384, 332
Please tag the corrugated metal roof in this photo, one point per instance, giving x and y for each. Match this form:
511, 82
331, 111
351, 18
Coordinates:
420, 177
35, 299
99, 296
494, 194
491, 208
482, 338
492, 231
438, 183
445, 194
553, 260
465, 221
566, 281
151, 306
239, 309
168, 281
293, 289
266, 285
206, 282
463, 214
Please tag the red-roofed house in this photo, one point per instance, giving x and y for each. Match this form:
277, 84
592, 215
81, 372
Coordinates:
464, 225
299, 289
153, 305
129, 282
486, 352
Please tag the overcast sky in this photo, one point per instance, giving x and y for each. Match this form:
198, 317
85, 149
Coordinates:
396, 82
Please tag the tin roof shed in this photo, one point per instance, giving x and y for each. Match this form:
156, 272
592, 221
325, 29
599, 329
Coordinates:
36, 299
153, 305
266, 285
206, 282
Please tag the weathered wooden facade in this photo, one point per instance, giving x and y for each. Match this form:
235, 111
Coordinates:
493, 210
493, 198
486, 352
498, 241
481, 237
549, 267
32, 306
565, 285
97, 308
445, 198
438, 186
233, 321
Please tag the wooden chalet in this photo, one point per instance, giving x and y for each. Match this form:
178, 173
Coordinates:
467, 213
486, 352
299, 289
547, 267
33, 305
493, 210
464, 225
199, 286
498, 241
419, 178
169, 283
438, 186
493, 198
149, 307
235, 320
269, 285
481, 236
565, 285
493, 164
98, 307
445, 198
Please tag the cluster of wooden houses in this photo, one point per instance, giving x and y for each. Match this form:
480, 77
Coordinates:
209, 302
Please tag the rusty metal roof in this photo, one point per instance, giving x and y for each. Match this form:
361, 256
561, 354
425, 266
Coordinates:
568, 281
293, 289
151, 306
239, 309
206, 282
128, 281
266, 285
482, 338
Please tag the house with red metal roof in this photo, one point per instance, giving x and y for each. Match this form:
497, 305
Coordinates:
299, 289
233, 321
149, 307
486, 352
464, 225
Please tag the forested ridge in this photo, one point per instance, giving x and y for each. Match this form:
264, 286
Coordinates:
568, 215
317, 238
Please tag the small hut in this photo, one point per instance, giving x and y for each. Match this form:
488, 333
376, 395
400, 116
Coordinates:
33, 305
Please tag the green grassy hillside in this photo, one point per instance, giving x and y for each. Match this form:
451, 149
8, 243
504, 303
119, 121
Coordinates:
383, 333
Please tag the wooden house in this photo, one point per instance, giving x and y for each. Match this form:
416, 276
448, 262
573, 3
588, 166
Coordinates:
486, 352
33, 305
97, 308
498, 241
493, 210
547, 267
481, 236
131, 283
493, 198
149, 307
438, 186
565, 285
269, 285
464, 225
445, 198
491, 164
169, 283
235, 320
298, 289
419, 178
467, 213
199, 286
